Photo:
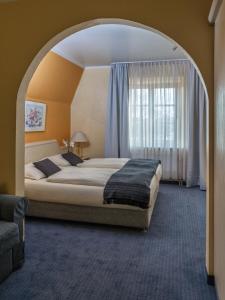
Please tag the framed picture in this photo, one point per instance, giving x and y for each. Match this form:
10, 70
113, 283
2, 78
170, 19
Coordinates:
35, 115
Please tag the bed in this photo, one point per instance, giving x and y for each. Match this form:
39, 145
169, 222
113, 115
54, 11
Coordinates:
82, 202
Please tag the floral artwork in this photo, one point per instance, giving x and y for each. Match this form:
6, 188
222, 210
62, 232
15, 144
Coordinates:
35, 114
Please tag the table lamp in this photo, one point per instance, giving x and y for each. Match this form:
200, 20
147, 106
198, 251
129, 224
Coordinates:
79, 139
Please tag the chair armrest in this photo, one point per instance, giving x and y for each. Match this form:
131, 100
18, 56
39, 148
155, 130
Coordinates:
12, 208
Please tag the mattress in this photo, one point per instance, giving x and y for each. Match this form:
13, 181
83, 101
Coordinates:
83, 195
82, 176
110, 163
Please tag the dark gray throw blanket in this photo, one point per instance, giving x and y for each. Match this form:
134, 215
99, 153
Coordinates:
131, 184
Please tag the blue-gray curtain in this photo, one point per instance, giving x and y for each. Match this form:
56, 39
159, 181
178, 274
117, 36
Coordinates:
127, 87
117, 132
196, 154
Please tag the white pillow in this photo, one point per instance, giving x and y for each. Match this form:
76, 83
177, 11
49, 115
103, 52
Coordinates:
59, 160
32, 172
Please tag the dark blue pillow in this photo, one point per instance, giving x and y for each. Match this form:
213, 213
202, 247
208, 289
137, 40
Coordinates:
72, 158
47, 167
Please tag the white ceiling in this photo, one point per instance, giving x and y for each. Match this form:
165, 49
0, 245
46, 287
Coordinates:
104, 44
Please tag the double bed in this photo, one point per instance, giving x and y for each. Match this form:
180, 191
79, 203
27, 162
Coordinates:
76, 193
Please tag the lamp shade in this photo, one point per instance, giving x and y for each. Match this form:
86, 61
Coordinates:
79, 137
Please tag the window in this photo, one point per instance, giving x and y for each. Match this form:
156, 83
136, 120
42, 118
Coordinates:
153, 117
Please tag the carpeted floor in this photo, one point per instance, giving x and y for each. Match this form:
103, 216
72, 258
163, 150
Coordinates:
66, 260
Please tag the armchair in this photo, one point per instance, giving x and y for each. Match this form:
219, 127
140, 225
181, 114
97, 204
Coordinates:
12, 214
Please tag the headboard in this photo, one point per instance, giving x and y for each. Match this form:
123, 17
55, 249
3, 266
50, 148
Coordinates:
38, 150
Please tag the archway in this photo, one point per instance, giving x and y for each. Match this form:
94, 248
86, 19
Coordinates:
20, 117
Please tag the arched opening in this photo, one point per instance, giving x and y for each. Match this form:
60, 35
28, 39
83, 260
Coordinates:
30, 71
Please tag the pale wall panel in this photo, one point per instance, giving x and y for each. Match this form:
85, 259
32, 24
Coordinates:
219, 190
88, 108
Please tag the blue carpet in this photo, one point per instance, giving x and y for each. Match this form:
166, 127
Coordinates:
66, 260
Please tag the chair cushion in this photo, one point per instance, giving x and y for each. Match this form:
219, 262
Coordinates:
9, 236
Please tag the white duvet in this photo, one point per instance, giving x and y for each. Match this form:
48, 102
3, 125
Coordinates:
109, 163
82, 176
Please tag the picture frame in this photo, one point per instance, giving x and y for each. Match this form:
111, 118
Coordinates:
35, 116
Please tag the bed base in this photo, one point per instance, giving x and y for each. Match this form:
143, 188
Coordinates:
91, 214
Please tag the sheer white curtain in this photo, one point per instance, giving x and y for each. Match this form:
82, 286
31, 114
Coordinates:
159, 101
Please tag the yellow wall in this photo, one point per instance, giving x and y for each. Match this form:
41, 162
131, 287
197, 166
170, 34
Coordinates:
88, 109
220, 153
27, 25
54, 83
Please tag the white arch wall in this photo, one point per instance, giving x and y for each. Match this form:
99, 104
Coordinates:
33, 66
20, 117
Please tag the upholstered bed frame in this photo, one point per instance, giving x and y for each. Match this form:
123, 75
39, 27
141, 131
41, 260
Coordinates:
91, 214
38, 150
113, 216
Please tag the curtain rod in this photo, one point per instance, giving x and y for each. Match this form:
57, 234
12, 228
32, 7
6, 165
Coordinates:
146, 61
